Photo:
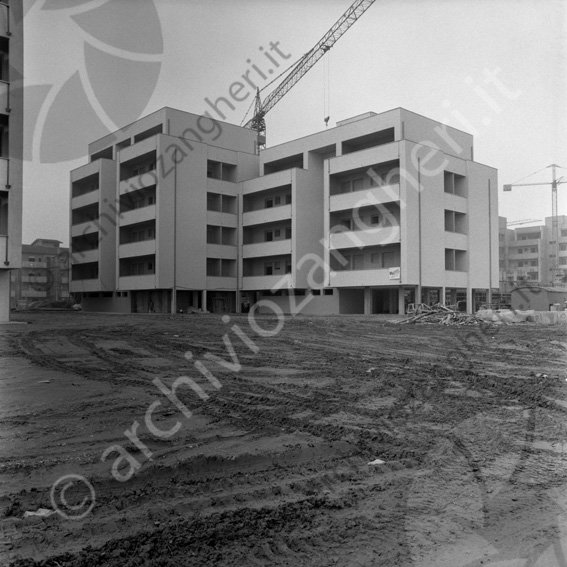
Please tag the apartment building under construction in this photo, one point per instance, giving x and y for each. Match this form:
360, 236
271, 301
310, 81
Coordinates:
177, 211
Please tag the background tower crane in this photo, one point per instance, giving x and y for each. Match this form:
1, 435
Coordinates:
523, 221
554, 218
299, 68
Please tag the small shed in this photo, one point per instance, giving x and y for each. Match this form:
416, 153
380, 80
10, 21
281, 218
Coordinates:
538, 298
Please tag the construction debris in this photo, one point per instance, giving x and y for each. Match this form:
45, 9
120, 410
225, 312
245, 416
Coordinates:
441, 315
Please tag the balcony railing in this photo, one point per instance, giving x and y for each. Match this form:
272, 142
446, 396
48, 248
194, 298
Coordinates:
362, 238
261, 216
364, 198
139, 248
273, 248
354, 278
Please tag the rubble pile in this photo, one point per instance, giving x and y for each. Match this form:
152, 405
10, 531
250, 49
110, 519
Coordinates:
441, 315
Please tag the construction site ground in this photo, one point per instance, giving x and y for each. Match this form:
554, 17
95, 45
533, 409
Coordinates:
308, 441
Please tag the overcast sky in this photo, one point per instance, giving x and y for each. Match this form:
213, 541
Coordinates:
92, 66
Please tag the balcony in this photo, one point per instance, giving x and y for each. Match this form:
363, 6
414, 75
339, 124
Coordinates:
134, 216
261, 216
222, 219
361, 158
4, 97
364, 198
273, 248
523, 256
86, 199
142, 181
221, 251
456, 240
87, 227
147, 281
86, 256
455, 203
141, 248
359, 278
221, 186
267, 282
362, 238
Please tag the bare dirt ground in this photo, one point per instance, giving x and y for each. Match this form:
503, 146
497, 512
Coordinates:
273, 467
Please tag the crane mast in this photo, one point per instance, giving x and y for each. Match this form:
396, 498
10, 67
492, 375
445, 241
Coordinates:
299, 69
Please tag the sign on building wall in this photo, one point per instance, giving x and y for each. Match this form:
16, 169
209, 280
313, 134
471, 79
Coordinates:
394, 273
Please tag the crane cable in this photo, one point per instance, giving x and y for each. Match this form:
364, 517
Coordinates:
327, 89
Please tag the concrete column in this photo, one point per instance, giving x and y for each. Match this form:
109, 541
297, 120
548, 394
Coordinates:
469, 300
204, 299
417, 295
367, 301
401, 304
442, 297
4, 296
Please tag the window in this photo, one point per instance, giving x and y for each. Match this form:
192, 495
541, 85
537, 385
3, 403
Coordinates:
269, 203
533, 263
563, 247
277, 200
315, 292
345, 187
563, 232
288, 232
288, 199
375, 258
346, 223
328, 291
31, 259
375, 219
357, 184
533, 249
268, 236
268, 269
388, 259
151, 200
277, 266
288, 267
277, 233
358, 262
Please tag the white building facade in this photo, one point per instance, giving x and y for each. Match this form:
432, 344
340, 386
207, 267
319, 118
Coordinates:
384, 210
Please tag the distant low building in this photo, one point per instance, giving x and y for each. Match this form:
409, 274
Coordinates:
527, 255
539, 298
44, 275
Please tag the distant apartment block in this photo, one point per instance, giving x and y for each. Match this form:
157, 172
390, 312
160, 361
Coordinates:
44, 275
178, 211
11, 146
527, 255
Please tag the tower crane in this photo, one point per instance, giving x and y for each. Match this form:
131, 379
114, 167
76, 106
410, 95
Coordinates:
554, 219
298, 69
523, 221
